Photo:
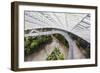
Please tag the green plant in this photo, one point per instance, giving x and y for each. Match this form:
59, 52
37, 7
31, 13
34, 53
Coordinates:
55, 55
62, 40
31, 44
34, 43
26, 42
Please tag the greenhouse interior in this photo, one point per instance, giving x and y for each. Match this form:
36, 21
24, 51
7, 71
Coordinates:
50, 36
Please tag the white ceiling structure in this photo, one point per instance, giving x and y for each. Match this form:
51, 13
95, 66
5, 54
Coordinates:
76, 23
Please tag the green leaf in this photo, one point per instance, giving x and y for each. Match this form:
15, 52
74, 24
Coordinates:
55, 55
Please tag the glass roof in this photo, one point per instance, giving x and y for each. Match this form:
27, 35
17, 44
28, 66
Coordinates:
75, 23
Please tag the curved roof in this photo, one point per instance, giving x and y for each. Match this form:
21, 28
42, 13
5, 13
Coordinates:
76, 23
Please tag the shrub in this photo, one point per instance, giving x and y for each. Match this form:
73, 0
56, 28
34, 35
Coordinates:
55, 55
31, 44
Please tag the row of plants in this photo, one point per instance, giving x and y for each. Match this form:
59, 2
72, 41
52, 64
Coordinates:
84, 45
62, 40
32, 43
55, 55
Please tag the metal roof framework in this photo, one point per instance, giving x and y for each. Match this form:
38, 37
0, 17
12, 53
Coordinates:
75, 23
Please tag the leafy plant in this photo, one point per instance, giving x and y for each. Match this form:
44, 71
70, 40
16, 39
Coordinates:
62, 40
56, 55
31, 44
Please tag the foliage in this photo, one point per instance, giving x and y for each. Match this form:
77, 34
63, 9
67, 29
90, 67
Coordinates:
62, 40
83, 45
55, 55
31, 44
